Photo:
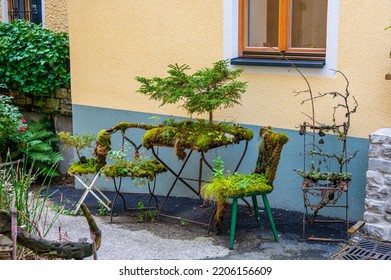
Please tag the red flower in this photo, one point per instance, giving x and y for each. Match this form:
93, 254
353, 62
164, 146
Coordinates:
23, 121
21, 129
24, 145
26, 127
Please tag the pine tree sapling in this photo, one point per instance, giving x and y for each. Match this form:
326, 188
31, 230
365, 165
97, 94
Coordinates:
202, 92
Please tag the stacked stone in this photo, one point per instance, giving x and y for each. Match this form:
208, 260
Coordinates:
59, 103
377, 215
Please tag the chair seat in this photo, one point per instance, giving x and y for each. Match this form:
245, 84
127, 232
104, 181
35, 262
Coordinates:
90, 166
236, 185
134, 169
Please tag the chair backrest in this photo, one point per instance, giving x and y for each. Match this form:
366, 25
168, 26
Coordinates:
103, 141
269, 147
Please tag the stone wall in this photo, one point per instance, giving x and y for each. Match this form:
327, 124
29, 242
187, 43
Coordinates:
377, 215
59, 105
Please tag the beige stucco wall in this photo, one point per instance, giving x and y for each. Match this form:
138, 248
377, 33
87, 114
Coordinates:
56, 15
111, 44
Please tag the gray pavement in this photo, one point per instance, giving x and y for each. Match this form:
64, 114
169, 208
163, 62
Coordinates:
127, 239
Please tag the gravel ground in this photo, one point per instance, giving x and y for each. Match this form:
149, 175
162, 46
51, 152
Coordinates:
125, 237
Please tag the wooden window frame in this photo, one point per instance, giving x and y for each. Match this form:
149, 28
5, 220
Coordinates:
27, 10
283, 38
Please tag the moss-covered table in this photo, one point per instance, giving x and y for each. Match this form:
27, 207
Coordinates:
188, 136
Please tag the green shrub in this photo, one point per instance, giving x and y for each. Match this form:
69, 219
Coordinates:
13, 128
40, 148
33, 60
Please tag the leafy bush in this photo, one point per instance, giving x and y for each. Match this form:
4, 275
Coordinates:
13, 128
33, 60
39, 148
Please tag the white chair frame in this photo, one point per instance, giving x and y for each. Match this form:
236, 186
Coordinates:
90, 186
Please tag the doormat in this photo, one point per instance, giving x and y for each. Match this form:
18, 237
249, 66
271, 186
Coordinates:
366, 250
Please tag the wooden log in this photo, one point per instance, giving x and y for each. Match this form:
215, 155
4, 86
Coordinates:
55, 249
356, 227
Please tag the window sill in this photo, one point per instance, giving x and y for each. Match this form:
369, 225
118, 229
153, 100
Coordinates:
278, 62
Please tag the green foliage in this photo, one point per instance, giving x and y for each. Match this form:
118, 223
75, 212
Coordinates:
102, 210
33, 60
146, 214
218, 168
78, 142
326, 176
16, 190
201, 92
39, 147
227, 185
12, 127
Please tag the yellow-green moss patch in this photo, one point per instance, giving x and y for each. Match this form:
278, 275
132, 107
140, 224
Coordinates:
195, 134
134, 169
91, 165
220, 188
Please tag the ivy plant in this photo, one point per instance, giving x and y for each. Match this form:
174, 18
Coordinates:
201, 92
33, 60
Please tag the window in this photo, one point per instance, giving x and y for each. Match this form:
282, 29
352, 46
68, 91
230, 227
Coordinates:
297, 28
30, 10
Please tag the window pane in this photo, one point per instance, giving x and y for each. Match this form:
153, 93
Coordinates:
262, 23
309, 23
19, 9
25, 9
36, 11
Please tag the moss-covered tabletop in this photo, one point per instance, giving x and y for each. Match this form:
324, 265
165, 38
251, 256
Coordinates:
198, 135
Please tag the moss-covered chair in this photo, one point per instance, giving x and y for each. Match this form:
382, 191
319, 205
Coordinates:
87, 171
237, 186
129, 161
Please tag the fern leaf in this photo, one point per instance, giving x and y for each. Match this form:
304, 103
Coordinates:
39, 157
40, 148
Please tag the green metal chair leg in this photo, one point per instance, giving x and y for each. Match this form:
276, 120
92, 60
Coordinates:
269, 214
256, 210
233, 223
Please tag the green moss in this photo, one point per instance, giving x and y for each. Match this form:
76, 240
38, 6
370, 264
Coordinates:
221, 188
195, 134
134, 169
91, 165
270, 147
325, 176
125, 125
103, 145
